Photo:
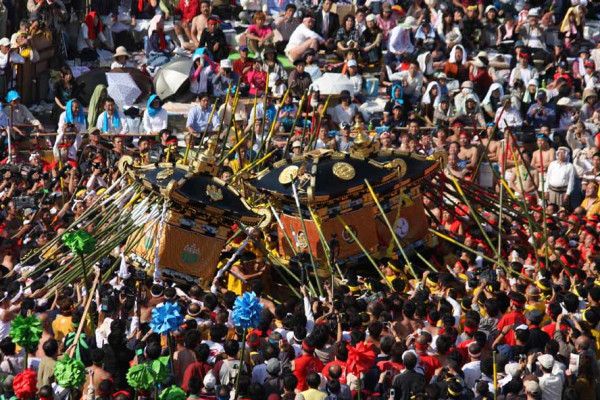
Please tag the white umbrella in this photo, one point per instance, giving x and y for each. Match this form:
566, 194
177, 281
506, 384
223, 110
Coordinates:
122, 88
169, 79
331, 83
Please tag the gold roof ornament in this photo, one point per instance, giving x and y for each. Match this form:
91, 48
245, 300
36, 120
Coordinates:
363, 145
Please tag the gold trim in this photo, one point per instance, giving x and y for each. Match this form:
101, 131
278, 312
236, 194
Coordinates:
344, 171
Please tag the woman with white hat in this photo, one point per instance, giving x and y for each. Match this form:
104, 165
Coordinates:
121, 59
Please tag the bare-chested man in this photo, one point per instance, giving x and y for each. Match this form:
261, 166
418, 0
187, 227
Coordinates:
409, 324
198, 24
524, 174
467, 151
96, 372
544, 155
454, 169
507, 151
490, 143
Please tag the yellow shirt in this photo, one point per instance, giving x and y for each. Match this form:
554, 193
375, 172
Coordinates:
62, 325
591, 206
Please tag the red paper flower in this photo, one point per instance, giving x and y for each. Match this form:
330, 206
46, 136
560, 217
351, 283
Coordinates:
360, 358
25, 384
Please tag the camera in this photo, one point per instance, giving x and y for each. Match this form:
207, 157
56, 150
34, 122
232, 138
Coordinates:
105, 304
140, 275
23, 202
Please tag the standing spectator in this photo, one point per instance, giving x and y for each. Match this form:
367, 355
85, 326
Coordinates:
561, 178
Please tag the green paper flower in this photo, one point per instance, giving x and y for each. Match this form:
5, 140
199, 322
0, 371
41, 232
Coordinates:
69, 372
160, 367
141, 377
173, 393
80, 242
26, 332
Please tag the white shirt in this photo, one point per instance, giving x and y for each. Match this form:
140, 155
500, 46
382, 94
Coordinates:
83, 36
300, 35
472, 371
339, 114
552, 385
524, 74
560, 175
72, 152
156, 123
400, 40
123, 129
510, 117
15, 58
325, 23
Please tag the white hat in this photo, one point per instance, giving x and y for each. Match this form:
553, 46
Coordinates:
532, 387
5, 42
490, 8
534, 12
210, 382
296, 143
371, 17
563, 101
533, 82
512, 369
121, 51
409, 22
226, 63
546, 361
352, 63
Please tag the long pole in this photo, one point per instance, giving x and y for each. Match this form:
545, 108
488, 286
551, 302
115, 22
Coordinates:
365, 252
310, 252
387, 222
287, 143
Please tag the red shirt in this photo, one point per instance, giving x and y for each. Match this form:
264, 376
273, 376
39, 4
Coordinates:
239, 65
511, 318
199, 369
303, 366
190, 11
342, 364
431, 363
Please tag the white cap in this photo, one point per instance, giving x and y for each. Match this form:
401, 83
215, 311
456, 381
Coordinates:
546, 361
564, 101
352, 63
371, 17
5, 42
226, 63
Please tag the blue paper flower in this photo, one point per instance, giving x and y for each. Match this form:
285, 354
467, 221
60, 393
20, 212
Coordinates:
246, 310
166, 319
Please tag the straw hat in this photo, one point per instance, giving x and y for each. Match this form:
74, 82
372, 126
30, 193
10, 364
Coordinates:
121, 51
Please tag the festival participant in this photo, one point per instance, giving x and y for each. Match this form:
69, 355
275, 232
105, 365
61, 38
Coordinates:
121, 58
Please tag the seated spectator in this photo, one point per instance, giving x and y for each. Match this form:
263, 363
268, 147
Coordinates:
111, 120
213, 39
155, 117
91, 37
303, 38
259, 34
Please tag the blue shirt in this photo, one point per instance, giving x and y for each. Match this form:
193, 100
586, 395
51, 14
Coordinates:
545, 115
198, 119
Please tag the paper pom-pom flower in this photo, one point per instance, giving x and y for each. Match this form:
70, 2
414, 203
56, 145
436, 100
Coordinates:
141, 377
80, 242
160, 367
246, 311
166, 319
360, 358
173, 393
25, 384
69, 372
26, 332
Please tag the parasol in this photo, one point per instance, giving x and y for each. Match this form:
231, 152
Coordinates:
87, 82
331, 83
142, 80
171, 77
122, 88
